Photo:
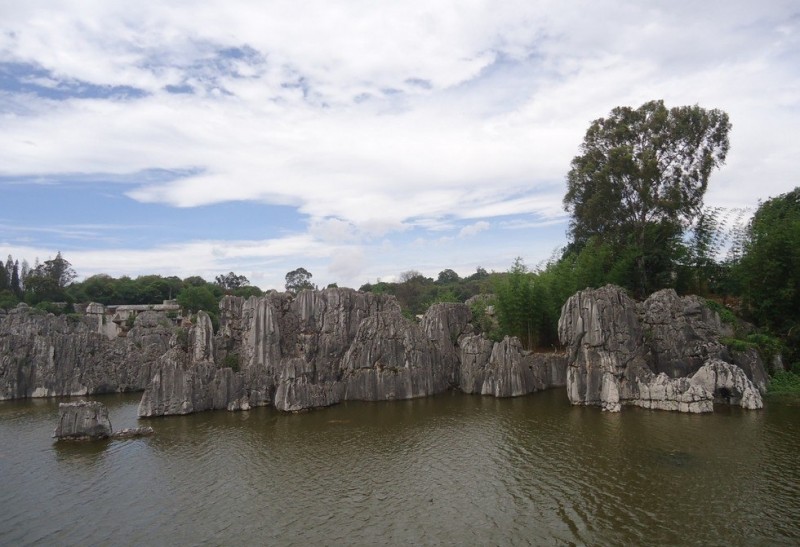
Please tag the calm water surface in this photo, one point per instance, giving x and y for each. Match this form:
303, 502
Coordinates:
449, 469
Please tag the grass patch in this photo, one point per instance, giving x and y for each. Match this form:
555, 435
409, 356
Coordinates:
768, 347
784, 387
725, 314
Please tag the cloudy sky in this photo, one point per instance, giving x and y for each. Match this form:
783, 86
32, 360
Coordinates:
360, 138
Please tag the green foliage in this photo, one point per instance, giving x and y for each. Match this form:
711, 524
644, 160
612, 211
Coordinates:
737, 344
768, 347
640, 179
725, 314
247, 292
39, 288
231, 281
130, 321
515, 306
447, 276
415, 292
231, 360
8, 299
785, 382
74, 318
5, 277
182, 338
193, 299
483, 320
299, 279
700, 270
56, 308
769, 271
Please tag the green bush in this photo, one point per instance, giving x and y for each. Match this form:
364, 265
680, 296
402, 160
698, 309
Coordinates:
785, 382
767, 346
737, 344
232, 361
182, 337
74, 318
725, 314
50, 307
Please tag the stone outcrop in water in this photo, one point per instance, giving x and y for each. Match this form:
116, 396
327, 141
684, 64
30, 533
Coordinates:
319, 348
82, 420
88, 420
659, 354
42, 355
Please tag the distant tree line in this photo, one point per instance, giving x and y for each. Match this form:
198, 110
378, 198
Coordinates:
51, 286
415, 292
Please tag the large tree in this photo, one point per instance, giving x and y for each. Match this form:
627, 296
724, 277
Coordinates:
231, 281
641, 176
298, 279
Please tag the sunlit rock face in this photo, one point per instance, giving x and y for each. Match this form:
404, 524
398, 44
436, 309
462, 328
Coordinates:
318, 348
664, 353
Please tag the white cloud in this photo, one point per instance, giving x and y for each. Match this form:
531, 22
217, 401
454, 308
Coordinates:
472, 229
373, 118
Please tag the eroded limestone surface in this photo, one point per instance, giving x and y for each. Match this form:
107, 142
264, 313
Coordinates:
319, 348
664, 353
42, 355
82, 420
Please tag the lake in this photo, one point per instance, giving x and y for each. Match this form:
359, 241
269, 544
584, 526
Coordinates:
448, 469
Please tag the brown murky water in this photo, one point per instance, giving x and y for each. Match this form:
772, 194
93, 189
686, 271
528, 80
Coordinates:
449, 469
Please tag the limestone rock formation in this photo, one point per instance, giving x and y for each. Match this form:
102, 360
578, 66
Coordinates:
82, 420
445, 324
287, 349
683, 333
504, 369
603, 337
186, 379
318, 348
728, 383
391, 358
88, 420
42, 355
664, 353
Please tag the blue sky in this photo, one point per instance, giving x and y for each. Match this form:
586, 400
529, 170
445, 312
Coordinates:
357, 139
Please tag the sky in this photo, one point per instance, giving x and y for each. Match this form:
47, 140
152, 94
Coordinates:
358, 139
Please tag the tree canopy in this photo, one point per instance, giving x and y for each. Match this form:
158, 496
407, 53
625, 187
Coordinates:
640, 179
298, 279
231, 281
770, 268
